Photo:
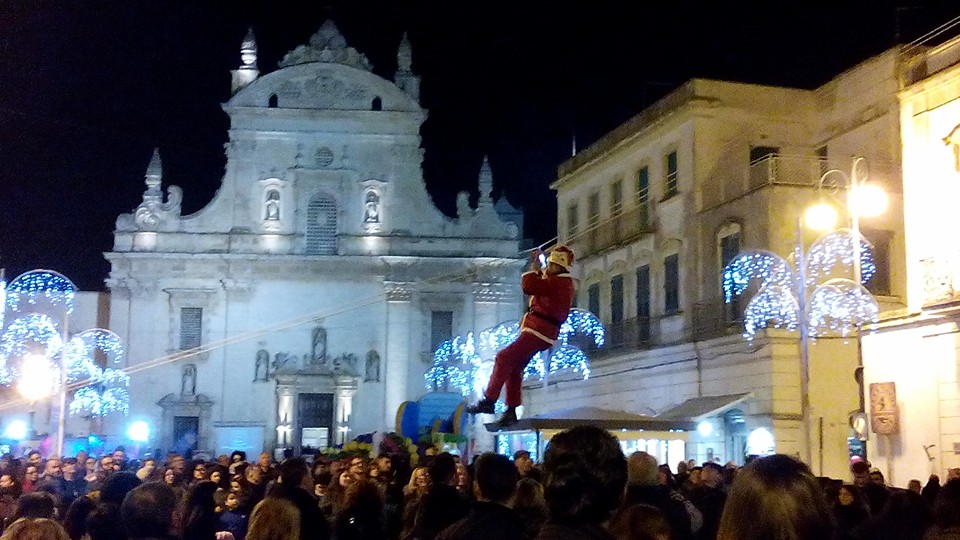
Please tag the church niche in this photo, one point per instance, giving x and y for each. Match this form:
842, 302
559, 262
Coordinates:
371, 207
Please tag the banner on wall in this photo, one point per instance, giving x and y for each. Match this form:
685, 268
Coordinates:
884, 415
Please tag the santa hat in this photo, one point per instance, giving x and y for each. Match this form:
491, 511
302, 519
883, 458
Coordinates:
561, 255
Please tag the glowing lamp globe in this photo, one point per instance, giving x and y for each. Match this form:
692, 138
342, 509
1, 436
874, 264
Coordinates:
38, 379
139, 431
820, 217
868, 200
16, 430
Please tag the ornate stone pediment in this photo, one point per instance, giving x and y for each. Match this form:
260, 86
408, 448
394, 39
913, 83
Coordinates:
154, 214
327, 45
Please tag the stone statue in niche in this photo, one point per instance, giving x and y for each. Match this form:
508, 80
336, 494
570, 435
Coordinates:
284, 362
261, 369
188, 381
371, 208
372, 367
271, 206
318, 357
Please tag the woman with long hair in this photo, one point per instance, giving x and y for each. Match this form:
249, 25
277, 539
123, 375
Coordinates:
413, 493
361, 517
274, 519
34, 529
529, 504
776, 497
200, 516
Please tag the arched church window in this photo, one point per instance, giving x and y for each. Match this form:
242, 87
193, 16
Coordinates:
371, 207
273, 102
322, 225
376, 104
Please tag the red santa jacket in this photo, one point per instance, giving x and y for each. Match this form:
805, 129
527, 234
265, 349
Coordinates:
550, 301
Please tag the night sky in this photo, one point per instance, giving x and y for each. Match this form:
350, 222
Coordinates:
87, 89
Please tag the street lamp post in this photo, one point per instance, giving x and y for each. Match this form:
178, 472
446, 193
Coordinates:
863, 199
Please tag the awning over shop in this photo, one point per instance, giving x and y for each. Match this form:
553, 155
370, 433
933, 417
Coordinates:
594, 416
696, 409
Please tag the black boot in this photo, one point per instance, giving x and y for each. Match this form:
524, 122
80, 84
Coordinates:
484, 406
508, 418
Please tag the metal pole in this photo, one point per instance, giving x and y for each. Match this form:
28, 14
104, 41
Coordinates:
804, 347
856, 183
62, 421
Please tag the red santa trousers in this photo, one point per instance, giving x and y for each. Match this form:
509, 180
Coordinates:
509, 365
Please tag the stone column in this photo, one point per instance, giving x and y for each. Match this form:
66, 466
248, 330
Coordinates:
286, 416
346, 388
397, 352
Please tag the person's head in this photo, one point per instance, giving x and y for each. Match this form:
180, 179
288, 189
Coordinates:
31, 473
682, 467
295, 473
90, 464
274, 519
443, 469
420, 478
238, 456
82, 457
254, 475
712, 475
218, 474
560, 260
147, 511
495, 478
199, 471
264, 460
695, 475
52, 467
529, 497
106, 464
945, 508
876, 477
463, 476
34, 458
849, 494
356, 466
169, 476
861, 474
523, 462
585, 474
116, 487
103, 523
35, 529
642, 469
640, 522
346, 479
38, 504
232, 502
776, 497
69, 467
75, 519
384, 463
119, 455
915, 485
224, 460
7, 481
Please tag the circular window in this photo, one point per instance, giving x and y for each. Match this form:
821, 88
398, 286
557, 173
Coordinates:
324, 156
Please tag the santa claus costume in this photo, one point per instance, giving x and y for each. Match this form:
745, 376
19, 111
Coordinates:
551, 293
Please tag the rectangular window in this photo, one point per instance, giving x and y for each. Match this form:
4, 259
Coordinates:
593, 299
671, 179
616, 299
729, 249
616, 197
441, 328
643, 303
671, 284
823, 159
191, 327
643, 196
880, 240
573, 220
594, 208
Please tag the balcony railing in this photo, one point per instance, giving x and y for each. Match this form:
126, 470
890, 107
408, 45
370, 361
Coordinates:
733, 178
619, 230
708, 320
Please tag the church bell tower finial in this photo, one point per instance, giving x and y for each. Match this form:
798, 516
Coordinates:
247, 72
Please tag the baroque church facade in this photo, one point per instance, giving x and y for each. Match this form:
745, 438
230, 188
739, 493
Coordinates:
301, 306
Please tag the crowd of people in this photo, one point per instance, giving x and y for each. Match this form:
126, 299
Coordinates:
585, 489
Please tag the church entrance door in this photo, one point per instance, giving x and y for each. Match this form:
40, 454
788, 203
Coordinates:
314, 421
